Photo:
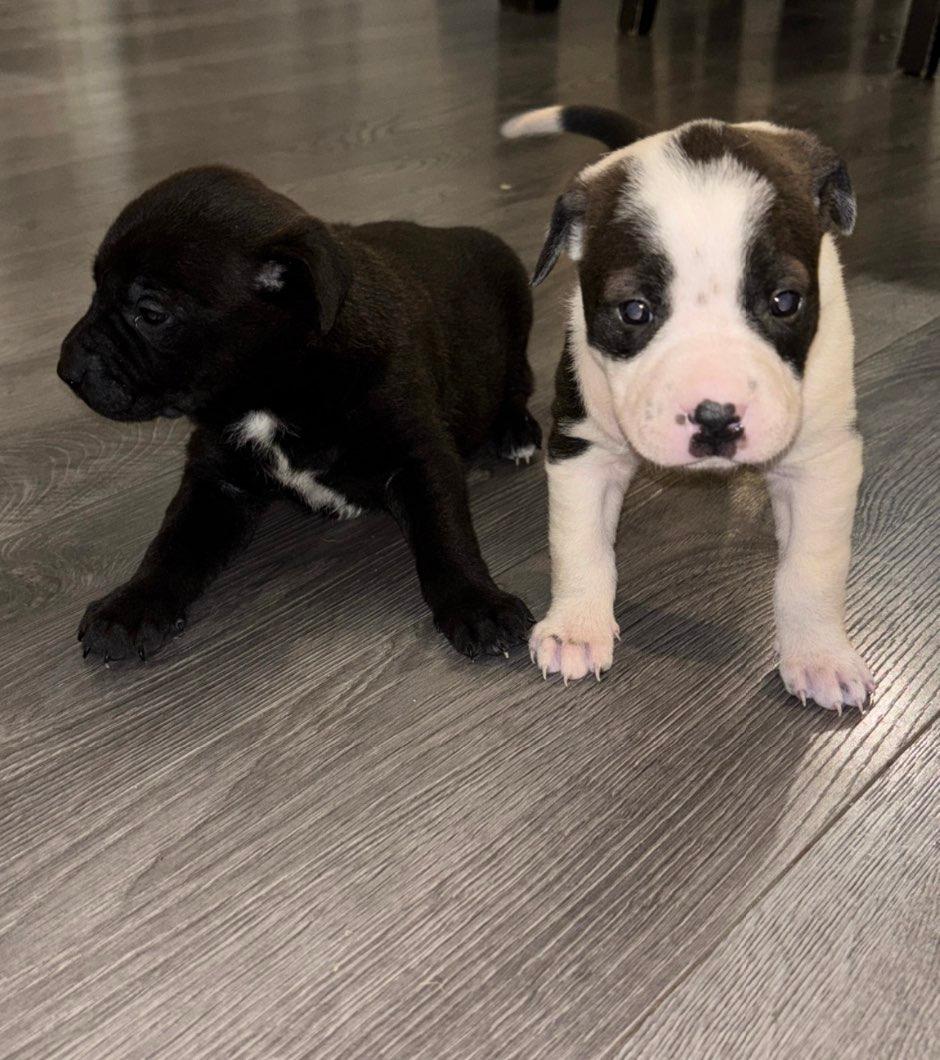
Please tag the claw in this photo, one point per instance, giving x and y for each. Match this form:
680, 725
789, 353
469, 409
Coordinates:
597, 672
564, 678
545, 672
107, 659
85, 651
180, 625
142, 655
802, 696
506, 654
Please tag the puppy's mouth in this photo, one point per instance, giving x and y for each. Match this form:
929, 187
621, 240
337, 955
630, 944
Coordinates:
109, 397
712, 463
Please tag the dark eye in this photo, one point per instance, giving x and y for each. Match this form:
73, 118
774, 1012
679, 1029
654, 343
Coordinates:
636, 311
785, 303
151, 314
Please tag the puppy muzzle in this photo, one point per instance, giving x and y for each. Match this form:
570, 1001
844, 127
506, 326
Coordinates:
710, 401
88, 365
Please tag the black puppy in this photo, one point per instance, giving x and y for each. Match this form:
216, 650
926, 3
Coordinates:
351, 367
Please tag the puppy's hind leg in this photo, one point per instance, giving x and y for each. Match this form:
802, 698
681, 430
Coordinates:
516, 432
429, 499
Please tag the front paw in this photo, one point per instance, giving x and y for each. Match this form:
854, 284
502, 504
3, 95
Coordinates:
830, 673
574, 642
134, 620
483, 621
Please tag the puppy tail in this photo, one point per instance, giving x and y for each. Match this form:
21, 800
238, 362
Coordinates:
609, 126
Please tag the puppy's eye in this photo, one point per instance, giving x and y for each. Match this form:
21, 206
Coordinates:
785, 303
150, 313
636, 311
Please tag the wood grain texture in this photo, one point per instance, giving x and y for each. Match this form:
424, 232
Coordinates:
851, 930
308, 828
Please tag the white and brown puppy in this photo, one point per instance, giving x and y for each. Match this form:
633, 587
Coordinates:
709, 330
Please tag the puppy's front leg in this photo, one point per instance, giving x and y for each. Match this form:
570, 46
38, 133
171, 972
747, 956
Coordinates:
429, 499
813, 495
585, 494
210, 516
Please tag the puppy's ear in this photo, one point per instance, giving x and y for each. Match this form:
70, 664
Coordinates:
832, 188
834, 195
305, 267
565, 232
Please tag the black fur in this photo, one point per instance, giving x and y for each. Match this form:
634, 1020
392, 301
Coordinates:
568, 211
567, 411
623, 260
609, 126
388, 353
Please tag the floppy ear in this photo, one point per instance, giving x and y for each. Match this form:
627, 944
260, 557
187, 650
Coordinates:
565, 231
305, 267
832, 188
836, 199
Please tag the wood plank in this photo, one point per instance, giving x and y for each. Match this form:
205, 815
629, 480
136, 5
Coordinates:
563, 817
308, 828
850, 930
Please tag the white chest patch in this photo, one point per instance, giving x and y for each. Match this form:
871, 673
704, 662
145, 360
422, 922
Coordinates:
259, 430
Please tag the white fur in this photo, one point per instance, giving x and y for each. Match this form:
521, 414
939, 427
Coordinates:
542, 122
813, 489
576, 637
703, 217
800, 432
270, 276
521, 455
258, 429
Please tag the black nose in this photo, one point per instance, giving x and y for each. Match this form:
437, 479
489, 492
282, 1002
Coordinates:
70, 374
720, 430
714, 418
72, 363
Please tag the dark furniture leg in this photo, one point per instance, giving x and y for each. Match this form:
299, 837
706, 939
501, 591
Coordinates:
636, 16
920, 46
538, 6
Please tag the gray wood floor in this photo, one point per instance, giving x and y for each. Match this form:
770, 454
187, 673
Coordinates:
308, 828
